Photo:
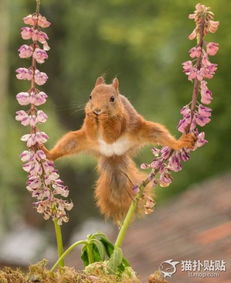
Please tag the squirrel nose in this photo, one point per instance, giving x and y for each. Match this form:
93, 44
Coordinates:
97, 111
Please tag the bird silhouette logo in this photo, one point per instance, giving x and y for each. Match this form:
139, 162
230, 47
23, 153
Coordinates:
168, 267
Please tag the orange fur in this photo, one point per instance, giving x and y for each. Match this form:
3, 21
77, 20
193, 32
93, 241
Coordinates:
113, 131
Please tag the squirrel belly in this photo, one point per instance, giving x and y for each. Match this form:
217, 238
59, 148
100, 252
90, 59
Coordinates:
118, 147
114, 188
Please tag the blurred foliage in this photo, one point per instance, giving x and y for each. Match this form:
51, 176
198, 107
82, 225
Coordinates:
141, 42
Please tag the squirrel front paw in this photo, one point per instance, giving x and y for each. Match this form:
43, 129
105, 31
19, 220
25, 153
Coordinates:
187, 141
103, 117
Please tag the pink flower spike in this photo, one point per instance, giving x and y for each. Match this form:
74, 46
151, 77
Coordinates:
33, 20
27, 166
40, 77
23, 98
206, 94
26, 33
40, 55
24, 74
212, 48
25, 51
156, 164
201, 120
187, 66
200, 7
43, 179
182, 125
195, 52
41, 117
155, 151
165, 179
61, 190
184, 156
190, 70
165, 152
30, 139
42, 37
213, 26
38, 98
200, 141
191, 16
40, 155
204, 111
30, 20
43, 22
174, 163
22, 116
192, 35
185, 110
144, 166
41, 137
26, 155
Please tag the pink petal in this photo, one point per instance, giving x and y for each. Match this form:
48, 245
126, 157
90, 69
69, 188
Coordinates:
25, 51
213, 26
23, 98
40, 55
40, 77
212, 48
26, 33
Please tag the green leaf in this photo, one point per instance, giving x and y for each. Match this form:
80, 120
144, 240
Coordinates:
99, 235
100, 248
84, 256
109, 247
125, 262
95, 253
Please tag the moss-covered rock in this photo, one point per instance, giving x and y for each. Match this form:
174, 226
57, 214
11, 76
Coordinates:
93, 273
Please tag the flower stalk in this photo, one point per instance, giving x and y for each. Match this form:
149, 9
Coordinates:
59, 241
131, 212
43, 182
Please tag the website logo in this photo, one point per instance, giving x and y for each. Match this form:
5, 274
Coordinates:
168, 267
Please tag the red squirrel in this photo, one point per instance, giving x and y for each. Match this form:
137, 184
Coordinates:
113, 131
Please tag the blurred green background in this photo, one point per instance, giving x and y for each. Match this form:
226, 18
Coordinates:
143, 43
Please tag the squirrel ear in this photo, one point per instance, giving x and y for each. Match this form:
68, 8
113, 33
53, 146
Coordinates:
99, 81
115, 84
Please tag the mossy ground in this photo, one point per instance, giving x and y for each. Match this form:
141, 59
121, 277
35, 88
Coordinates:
38, 273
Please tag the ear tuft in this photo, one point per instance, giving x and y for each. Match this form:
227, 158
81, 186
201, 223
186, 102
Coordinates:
115, 84
99, 81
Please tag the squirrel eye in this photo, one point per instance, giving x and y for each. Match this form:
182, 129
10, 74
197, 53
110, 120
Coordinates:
90, 97
112, 99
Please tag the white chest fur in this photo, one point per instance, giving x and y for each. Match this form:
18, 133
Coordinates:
119, 147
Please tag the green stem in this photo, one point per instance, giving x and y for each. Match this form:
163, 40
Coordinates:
130, 214
37, 6
59, 240
126, 222
67, 251
90, 254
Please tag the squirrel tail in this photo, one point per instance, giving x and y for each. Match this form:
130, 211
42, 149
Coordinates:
114, 188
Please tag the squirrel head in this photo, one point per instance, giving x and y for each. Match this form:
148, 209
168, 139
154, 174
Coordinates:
104, 99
